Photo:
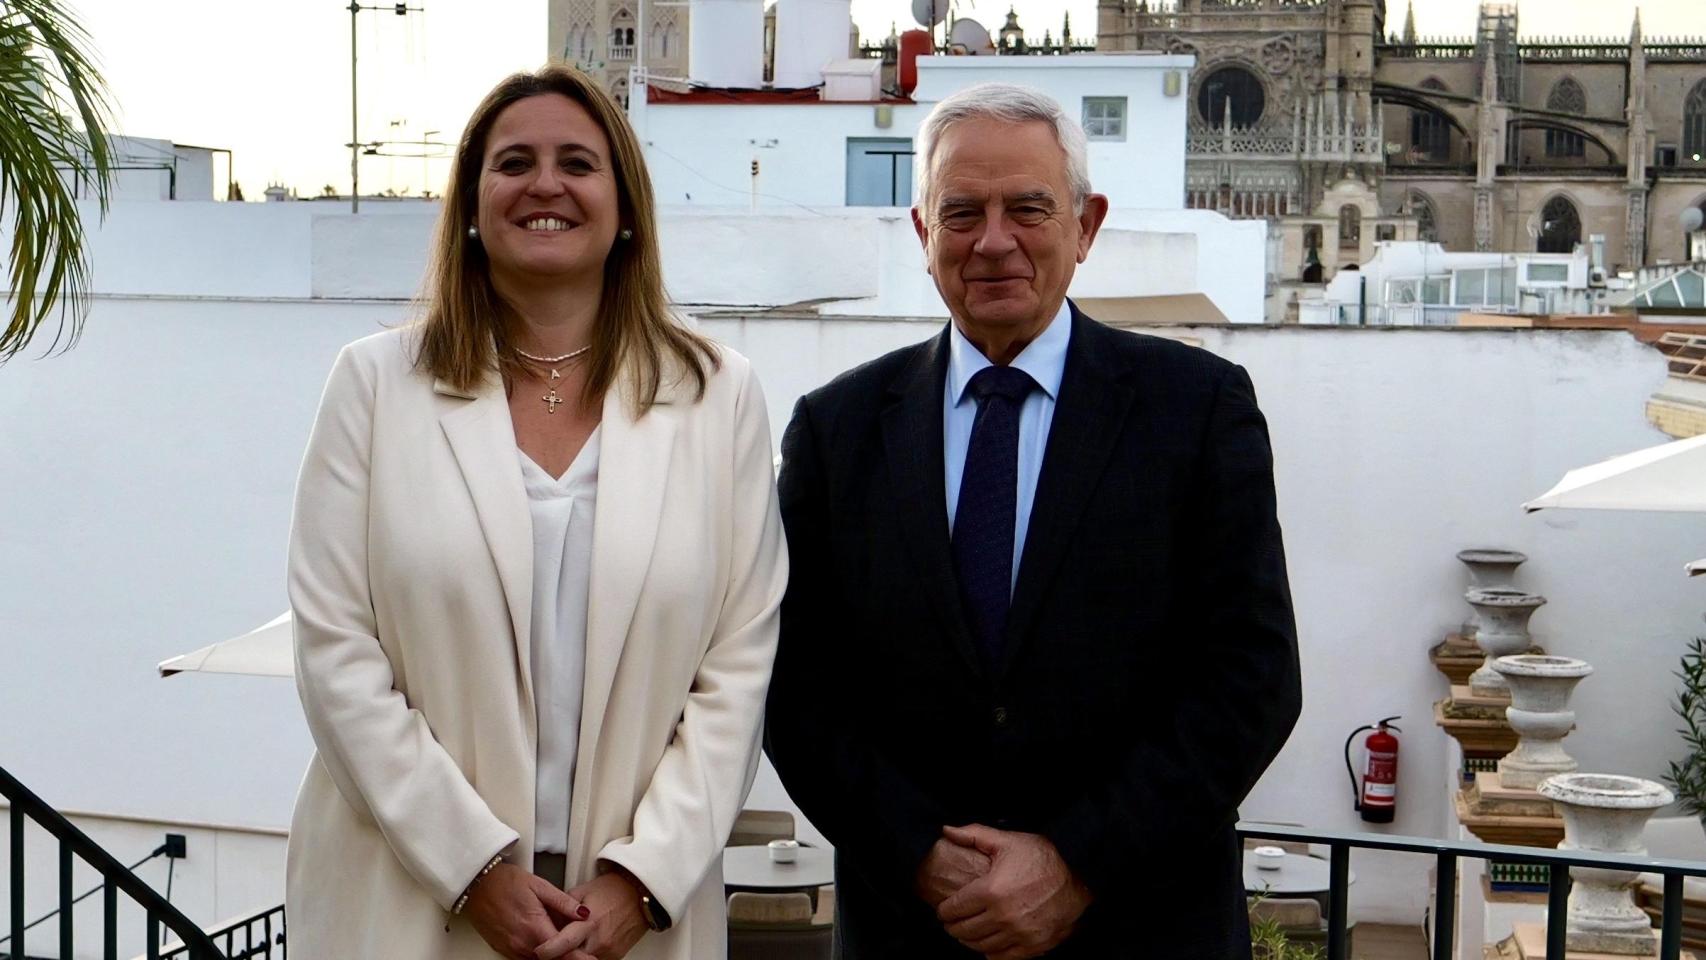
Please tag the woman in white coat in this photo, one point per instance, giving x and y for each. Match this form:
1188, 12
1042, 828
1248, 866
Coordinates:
535, 567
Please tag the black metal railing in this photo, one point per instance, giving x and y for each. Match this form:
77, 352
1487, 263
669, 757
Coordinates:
74, 844
261, 935
1446, 854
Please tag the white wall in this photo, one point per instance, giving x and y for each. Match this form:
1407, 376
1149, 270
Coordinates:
701, 153
856, 260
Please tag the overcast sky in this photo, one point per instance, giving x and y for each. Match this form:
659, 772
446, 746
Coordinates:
271, 81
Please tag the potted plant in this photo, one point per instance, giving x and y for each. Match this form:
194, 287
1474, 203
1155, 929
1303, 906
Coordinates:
1688, 777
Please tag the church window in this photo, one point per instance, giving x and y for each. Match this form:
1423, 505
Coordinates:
1430, 132
1235, 87
1694, 125
1560, 227
1350, 227
1427, 220
1566, 97
1312, 269
1104, 118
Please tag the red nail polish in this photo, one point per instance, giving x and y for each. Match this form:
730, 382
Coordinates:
584, 912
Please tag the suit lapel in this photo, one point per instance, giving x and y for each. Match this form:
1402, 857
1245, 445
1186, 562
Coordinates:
912, 440
1092, 406
633, 466
482, 438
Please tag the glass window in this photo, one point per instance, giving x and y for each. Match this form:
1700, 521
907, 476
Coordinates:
1560, 227
1233, 87
879, 172
1434, 289
1471, 287
1548, 272
1501, 286
1694, 125
1665, 295
1350, 227
1693, 287
1401, 291
1566, 97
1104, 118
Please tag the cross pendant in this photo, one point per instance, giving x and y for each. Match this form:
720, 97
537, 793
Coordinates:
551, 400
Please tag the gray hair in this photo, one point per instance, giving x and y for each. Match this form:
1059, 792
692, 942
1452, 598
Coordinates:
1014, 104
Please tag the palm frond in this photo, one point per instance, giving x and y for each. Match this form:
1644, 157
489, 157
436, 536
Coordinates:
54, 115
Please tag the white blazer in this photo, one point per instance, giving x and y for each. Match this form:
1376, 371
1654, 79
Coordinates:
410, 579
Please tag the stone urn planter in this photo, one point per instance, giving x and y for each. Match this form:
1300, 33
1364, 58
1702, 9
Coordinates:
1489, 569
1605, 813
1540, 714
1503, 615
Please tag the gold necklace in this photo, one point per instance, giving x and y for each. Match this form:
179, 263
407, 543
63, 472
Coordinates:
551, 398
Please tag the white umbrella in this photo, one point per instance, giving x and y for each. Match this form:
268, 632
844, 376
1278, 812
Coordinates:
1669, 477
262, 652
1696, 568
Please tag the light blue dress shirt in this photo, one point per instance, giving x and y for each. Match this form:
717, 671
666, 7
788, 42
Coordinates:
1045, 360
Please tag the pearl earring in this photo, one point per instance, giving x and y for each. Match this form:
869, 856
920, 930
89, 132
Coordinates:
473, 232
626, 234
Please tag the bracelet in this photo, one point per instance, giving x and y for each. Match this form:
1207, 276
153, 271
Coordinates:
462, 901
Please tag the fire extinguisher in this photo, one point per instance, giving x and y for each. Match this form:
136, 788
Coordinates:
1377, 798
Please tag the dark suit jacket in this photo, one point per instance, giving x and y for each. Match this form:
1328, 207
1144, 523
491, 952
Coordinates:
1150, 665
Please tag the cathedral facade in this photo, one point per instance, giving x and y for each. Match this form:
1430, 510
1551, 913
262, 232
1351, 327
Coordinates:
1342, 128
607, 37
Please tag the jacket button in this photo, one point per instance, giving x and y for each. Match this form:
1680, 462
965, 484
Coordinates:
1001, 716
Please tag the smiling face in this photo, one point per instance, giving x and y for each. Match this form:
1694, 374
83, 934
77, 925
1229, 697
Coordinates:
999, 232
548, 208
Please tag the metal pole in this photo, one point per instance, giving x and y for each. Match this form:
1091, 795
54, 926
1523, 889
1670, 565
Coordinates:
354, 145
1338, 883
1557, 910
1445, 905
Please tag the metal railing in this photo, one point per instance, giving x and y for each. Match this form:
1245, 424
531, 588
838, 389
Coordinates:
1446, 855
74, 844
261, 935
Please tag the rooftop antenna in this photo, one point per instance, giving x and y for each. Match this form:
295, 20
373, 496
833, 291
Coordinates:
929, 14
355, 144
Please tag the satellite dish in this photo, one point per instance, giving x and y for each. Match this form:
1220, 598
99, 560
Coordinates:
928, 13
1692, 218
972, 36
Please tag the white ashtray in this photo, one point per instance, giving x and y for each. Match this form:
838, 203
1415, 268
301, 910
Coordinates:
784, 851
1268, 858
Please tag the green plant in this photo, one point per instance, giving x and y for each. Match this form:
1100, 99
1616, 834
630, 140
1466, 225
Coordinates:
54, 114
1268, 940
1688, 778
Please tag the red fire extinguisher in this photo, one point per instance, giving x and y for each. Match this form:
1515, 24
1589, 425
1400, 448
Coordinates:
1377, 798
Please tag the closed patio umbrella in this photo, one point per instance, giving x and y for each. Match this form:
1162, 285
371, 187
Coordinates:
262, 652
1668, 477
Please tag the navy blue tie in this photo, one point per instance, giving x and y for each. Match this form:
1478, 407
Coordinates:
988, 504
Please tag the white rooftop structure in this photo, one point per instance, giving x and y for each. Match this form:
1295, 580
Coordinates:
710, 147
1418, 283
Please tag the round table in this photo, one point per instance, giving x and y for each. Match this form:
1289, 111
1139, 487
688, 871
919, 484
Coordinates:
751, 869
1297, 875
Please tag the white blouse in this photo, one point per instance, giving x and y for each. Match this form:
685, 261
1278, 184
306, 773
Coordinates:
562, 511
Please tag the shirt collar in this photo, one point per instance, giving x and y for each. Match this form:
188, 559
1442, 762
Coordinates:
1043, 358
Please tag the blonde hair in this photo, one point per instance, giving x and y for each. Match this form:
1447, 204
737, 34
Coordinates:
464, 329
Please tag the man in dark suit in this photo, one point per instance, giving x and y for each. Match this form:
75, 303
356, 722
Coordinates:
1037, 643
